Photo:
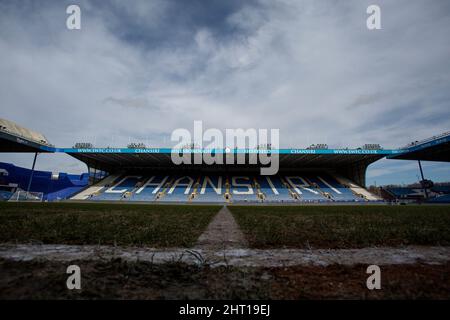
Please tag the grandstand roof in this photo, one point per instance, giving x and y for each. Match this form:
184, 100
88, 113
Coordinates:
14, 138
352, 162
158, 158
436, 148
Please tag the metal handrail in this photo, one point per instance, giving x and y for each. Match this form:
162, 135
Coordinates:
417, 143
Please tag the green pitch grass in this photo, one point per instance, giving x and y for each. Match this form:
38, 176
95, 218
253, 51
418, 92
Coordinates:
106, 224
343, 226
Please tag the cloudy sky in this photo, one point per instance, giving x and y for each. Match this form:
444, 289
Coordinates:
137, 70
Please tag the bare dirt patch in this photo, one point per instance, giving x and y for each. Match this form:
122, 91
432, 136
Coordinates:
231, 257
223, 232
119, 279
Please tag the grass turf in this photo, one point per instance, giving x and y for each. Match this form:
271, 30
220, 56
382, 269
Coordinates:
88, 223
343, 226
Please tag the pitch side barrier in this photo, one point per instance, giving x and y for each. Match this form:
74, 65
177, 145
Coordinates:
227, 151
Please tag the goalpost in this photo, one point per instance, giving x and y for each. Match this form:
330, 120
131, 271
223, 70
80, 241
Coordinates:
27, 196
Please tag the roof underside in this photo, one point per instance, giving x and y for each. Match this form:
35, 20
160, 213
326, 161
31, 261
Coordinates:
14, 129
162, 161
436, 150
12, 143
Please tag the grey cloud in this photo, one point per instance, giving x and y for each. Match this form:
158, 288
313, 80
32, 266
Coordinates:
309, 68
136, 103
365, 99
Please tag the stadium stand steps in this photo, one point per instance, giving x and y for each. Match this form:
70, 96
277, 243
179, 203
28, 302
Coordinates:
358, 190
304, 189
274, 189
90, 191
291, 193
180, 189
52, 186
316, 187
5, 195
445, 198
219, 189
437, 194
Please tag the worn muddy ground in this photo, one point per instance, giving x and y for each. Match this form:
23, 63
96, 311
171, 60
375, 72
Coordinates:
231, 257
119, 279
222, 233
215, 262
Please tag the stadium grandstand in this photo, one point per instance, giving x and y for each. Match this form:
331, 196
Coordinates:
52, 186
316, 174
15, 138
434, 194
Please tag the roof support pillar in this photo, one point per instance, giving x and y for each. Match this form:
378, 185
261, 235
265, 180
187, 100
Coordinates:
32, 173
423, 180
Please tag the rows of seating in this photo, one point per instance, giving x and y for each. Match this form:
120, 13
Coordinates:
436, 194
445, 198
275, 190
402, 192
210, 189
227, 188
441, 189
5, 195
53, 186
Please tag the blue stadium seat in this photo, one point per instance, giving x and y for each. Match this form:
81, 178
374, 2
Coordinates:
441, 199
211, 189
180, 189
5, 195
331, 186
273, 189
62, 194
116, 192
242, 189
306, 191
150, 188
61, 187
402, 192
441, 189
